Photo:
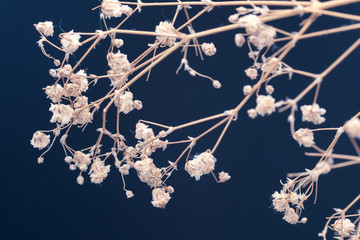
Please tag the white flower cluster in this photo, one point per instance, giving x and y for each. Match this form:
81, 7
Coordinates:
81, 114
312, 113
125, 102
143, 132
208, 48
98, 171
120, 66
168, 28
54, 92
321, 168
202, 164
265, 105
46, 28
261, 35
304, 136
82, 160
40, 140
252, 73
344, 227
223, 177
113, 8
70, 42
282, 201
353, 128
148, 172
161, 196
61, 113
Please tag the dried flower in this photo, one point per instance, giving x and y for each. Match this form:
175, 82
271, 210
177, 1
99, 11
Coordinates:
312, 113
208, 48
353, 128
304, 136
70, 42
160, 197
223, 177
202, 164
265, 105
98, 171
46, 28
40, 140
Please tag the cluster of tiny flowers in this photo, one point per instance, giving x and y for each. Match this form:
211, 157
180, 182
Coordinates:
167, 28
40, 140
120, 66
46, 28
61, 113
312, 113
113, 8
98, 171
161, 196
208, 48
265, 105
70, 42
202, 164
304, 136
353, 128
224, 177
261, 35
286, 201
124, 101
148, 172
343, 227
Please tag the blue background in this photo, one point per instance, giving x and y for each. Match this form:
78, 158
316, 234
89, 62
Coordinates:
45, 202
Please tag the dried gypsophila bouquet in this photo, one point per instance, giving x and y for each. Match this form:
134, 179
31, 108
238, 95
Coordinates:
71, 107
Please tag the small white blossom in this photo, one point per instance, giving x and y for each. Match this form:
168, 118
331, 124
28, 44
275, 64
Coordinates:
223, 177
353, 128
40, 140
291, 216
269, 89
80, 180
160, 197
61, 113
54, 92
202, 164
344, 227
312, 113
265, 105
208, 48
98, 171
280, 201
129, 194
148, 172
143, 131
46, 28
216, 84
239, 40
251, 73
118, 42
70, 42
82, 160
168, 28
252, 113
247, 89
304, 136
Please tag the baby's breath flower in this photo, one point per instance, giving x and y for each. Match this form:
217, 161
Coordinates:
160, 197
312, 113
291, 216
129, 194
344, 227
61, 113
80, 180
46, 28
202, 164
247, 89
208, 48
54, 92
239, 40
70, 42
118, 42
165, 27
353, 128
265, 105
304, 136
251, 73
148, 172
216, 84
82, 160
143, 131
252, 113
223, 177
98, 171
40, 140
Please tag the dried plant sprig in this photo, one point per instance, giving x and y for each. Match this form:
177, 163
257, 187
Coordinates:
251, 22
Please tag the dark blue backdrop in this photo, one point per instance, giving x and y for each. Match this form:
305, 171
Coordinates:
45, 202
